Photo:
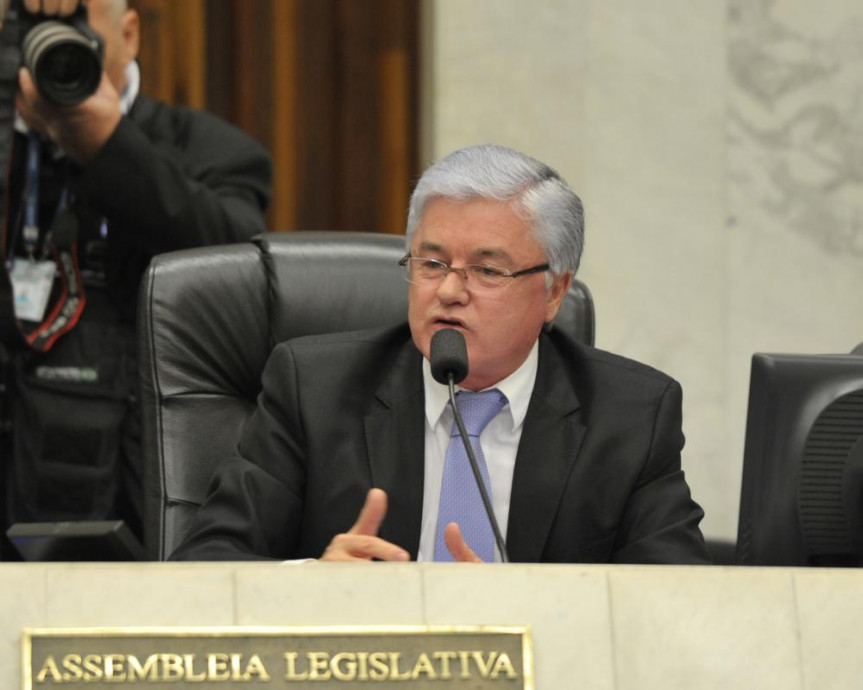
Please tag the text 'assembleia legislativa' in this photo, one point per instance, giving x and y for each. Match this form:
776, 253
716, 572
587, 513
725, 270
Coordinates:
294, 666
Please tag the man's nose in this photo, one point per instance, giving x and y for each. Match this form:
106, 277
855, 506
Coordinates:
453, 288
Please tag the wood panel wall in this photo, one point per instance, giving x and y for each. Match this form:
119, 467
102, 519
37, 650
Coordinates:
329, 86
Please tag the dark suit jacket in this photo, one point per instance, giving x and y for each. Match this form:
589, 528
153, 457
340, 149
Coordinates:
597, 475
168, 178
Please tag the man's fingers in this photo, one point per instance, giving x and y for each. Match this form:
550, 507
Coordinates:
362, 547
51, 7
457, 546
28, 92
372, 515
26, 101
29, 97
28, 86
68, 6
362, 543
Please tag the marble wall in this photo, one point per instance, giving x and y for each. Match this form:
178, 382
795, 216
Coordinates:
718, 148
592, 626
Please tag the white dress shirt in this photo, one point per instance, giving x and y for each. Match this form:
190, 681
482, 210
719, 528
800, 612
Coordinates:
133, 85
499, 441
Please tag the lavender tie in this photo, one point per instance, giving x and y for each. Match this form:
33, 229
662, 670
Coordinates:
460, 500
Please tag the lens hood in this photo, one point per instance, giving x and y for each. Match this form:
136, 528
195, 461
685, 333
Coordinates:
66, 64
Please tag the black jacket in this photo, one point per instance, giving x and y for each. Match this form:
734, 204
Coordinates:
168, 178
597, 475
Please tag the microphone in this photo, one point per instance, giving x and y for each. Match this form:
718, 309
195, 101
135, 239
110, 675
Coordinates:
448, 358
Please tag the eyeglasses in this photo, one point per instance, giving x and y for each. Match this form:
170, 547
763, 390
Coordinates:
429, 271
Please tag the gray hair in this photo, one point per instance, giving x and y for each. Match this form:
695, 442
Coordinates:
535, 190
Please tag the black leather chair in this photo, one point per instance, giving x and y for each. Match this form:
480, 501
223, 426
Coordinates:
208, 319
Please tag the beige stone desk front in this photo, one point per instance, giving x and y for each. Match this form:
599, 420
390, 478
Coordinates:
602, 627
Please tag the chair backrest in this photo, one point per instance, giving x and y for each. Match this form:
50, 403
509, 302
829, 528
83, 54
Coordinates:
208, 320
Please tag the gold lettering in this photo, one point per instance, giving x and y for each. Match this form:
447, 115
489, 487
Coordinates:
172, 667
349, 672
149, 671
49, 667
256, 667
115, 668
378, 662
92, 668
464, 663
363, 659
394, 667
444, 658
72, 668
423, 665
503, 664
291, 667
217, 666
344, 666
189, 670
236, 674
484, 665
319, 668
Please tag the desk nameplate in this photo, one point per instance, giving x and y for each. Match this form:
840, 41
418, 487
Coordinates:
285, 657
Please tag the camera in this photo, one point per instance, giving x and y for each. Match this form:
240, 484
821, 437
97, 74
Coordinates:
64, 55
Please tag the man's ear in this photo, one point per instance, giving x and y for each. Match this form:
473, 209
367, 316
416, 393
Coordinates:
131, 29
556, 293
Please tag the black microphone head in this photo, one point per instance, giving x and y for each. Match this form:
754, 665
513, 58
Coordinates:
448, 356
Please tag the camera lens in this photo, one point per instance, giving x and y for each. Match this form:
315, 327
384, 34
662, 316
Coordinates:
65, 64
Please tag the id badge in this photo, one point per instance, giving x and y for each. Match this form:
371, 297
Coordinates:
31, 284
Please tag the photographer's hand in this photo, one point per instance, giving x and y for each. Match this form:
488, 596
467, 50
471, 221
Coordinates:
61, 8
51, 7
80, 130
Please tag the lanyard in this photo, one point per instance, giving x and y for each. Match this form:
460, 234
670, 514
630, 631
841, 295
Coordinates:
31, 197
30, 231
61, 241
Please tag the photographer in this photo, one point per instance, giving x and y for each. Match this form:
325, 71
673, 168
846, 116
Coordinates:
121, 178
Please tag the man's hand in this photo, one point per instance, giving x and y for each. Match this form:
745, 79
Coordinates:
80, 130
361, 542
457, 546
51, 7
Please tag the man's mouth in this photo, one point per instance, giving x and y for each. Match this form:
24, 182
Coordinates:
449, 323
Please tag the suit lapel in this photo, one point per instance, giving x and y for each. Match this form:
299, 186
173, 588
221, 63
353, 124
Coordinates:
395, 444
142, 110
550, 442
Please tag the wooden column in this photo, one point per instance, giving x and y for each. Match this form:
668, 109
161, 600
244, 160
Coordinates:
329, 86
173, 50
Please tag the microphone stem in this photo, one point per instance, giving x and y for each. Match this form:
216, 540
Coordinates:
501, 547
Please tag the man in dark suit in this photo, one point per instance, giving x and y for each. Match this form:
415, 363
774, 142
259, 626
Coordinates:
583, 448
136, 177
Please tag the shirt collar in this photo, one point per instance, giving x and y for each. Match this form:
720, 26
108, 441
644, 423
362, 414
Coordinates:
133, 85
517, 387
